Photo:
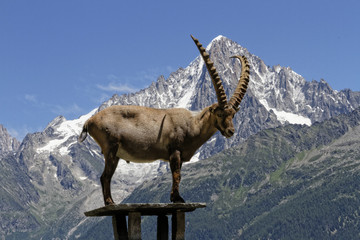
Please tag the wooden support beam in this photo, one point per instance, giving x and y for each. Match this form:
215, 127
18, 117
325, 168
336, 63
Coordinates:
162, 227
134, 226
178, 226
146, 209
119, 227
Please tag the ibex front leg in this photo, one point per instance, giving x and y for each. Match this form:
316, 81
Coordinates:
175, 166
111, 162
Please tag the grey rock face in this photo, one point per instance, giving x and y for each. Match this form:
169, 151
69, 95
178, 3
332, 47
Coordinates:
7, 142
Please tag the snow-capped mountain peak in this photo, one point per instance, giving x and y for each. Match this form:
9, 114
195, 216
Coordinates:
218, 38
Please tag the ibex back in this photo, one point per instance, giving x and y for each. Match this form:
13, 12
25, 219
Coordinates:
143, 134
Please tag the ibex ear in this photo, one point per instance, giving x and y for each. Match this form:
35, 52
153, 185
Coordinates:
211, 109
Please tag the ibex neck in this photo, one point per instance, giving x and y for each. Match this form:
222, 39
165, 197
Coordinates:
202, 128
206, 124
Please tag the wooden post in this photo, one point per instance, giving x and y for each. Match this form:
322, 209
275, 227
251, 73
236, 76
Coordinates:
134, 226
178, 226
162, 227
119, 227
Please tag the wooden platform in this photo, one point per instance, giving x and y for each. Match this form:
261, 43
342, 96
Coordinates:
134, 211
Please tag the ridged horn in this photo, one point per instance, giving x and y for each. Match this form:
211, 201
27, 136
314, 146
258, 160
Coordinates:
242, 84
219, 89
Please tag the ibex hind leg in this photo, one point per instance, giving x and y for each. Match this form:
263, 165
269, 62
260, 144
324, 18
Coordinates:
175, 166
111, 162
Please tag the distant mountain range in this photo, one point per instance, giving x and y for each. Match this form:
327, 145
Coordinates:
48, 181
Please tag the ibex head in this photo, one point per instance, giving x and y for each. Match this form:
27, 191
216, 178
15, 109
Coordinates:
224, 111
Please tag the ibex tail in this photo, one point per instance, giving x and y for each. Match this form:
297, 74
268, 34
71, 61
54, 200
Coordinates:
83, 134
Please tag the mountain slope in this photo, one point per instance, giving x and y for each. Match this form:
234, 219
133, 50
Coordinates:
291, 182
16, 196
16, 191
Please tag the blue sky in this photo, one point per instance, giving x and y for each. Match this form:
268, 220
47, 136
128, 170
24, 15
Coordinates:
67, 57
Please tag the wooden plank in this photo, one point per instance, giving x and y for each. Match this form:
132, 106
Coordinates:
119, 227
134, 226
162, 227
178, 226
144, 209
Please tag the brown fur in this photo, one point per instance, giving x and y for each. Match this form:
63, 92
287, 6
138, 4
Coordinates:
142, 134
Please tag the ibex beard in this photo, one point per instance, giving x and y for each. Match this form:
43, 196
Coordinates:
142, 134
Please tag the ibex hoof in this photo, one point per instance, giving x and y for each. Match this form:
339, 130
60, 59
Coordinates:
109, 202
177, 199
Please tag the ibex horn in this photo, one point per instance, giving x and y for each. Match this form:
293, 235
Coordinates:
242, 84
219, 89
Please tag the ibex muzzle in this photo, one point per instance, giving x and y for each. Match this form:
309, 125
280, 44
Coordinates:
142, 134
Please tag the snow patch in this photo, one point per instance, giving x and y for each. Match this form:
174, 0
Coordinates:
291, 117
195, 158
185, 100
64, 151
194, 70
51, 145
72, 231
277, 68
284, 117
64, 131
218, 38
136, 173
212, 139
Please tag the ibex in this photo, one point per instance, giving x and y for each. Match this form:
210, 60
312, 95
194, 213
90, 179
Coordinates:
143, 134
